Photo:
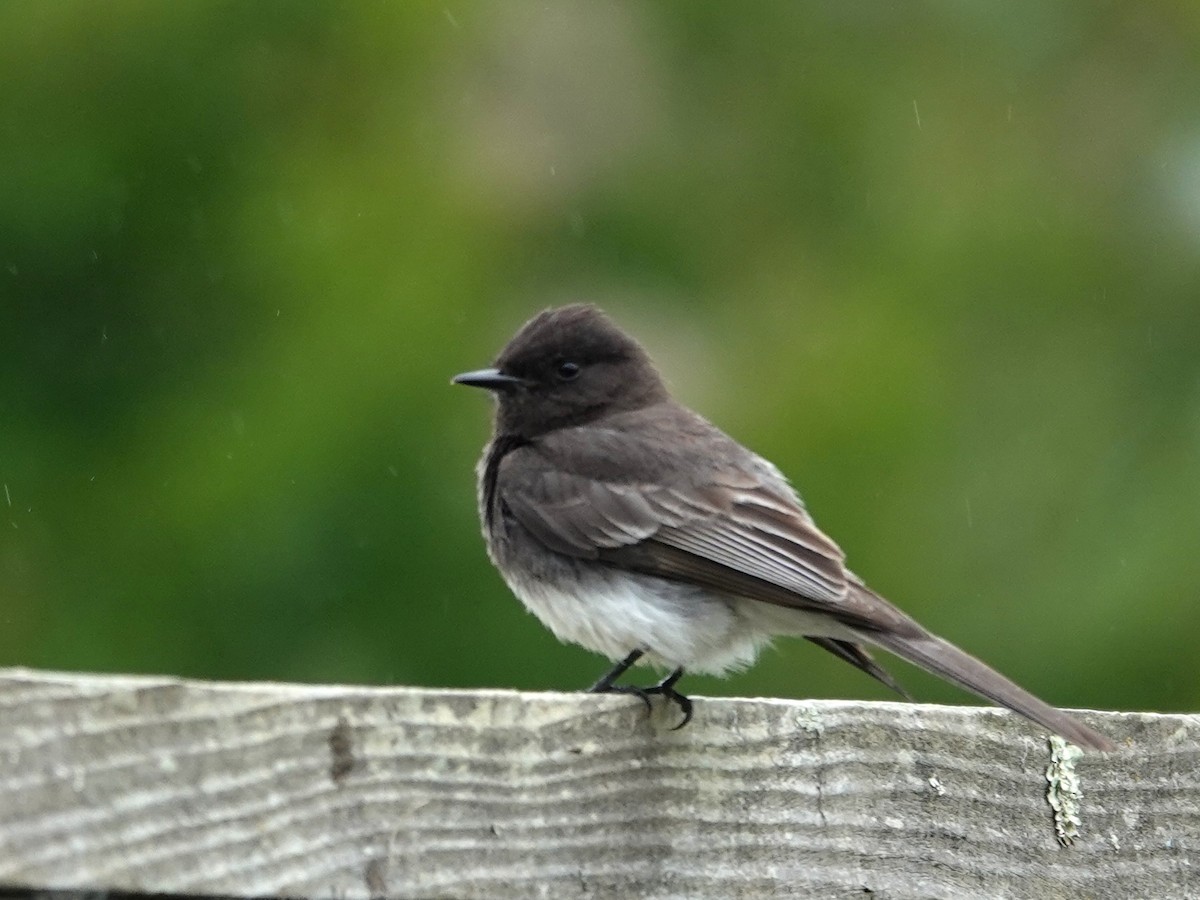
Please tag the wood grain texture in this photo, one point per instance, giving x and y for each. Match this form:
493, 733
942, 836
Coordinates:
164, 785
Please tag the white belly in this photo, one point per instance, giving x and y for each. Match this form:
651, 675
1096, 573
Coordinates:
674, 624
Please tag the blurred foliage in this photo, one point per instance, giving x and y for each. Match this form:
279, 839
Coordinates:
940, 262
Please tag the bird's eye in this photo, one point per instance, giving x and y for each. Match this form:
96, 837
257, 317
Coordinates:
567, 371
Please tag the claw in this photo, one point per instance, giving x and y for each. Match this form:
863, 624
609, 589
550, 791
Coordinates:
665, 689
642, 694
685, 706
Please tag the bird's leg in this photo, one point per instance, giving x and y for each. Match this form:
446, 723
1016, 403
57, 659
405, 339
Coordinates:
666, 687
605, 684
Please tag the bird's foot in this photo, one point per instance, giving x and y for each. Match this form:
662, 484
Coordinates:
665, 689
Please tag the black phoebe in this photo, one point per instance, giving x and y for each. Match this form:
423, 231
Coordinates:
630, 525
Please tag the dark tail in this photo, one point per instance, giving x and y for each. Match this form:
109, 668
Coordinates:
942, 658
860, 659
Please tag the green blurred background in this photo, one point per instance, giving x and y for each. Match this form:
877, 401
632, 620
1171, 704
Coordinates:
939, 261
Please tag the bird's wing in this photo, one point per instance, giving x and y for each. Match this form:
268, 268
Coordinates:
736, 530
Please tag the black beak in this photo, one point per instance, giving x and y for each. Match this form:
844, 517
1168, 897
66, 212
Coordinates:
492, 379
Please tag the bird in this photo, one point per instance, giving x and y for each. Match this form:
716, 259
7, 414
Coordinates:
632, 526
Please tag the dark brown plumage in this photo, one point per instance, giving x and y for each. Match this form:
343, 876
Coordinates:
631, 525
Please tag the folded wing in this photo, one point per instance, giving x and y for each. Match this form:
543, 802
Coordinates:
736, 532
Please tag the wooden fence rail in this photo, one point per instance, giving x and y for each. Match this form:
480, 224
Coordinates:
167, 786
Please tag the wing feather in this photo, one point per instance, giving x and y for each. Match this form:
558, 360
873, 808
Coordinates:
734, 528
